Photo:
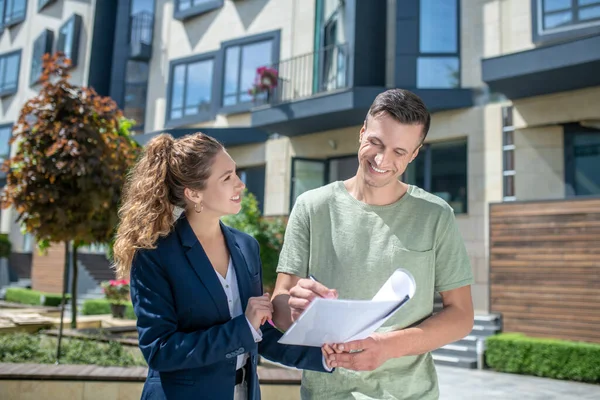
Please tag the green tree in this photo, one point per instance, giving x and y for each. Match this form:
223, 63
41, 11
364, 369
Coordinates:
73, 153
268, 232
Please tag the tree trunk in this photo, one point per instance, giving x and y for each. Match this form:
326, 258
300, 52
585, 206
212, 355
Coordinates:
63, 301
74, 287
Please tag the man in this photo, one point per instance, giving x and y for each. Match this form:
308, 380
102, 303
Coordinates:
352, 235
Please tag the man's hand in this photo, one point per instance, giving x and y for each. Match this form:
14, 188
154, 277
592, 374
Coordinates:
360, 355
305, 291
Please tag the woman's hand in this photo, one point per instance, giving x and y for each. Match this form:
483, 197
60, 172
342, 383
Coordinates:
259, 310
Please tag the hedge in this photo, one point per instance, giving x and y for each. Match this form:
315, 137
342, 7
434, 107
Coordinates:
550, 358
102, 306
33, 297
28, 348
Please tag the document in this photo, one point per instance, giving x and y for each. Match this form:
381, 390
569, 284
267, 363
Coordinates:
339, 321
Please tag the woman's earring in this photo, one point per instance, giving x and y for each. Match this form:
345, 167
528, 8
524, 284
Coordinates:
196, 207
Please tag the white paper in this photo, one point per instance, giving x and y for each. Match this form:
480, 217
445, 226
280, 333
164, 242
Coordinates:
340, 321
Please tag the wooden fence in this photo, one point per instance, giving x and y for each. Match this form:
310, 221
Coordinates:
545, 267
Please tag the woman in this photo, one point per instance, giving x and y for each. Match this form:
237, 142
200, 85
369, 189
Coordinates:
196, 284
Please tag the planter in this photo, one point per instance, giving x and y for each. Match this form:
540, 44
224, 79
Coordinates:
117, 310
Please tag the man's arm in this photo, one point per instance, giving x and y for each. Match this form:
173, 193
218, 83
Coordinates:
453, 323
282, 316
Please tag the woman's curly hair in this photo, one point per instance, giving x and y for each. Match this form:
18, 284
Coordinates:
155, 186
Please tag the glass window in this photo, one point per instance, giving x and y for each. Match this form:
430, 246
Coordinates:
441, 169
438, 26
561, 13
136, 86
41, 46
68, 39
9, 73
183, 5
142, 22
307, 175
586, 151
44, 3
241, 63
341, 169
14, 11
438, 72
438, 67
5, 134
191, 92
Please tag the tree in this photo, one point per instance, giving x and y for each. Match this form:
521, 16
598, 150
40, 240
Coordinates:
73, 154
268, 232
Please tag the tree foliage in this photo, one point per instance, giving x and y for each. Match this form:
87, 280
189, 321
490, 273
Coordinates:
268, 232
72, 157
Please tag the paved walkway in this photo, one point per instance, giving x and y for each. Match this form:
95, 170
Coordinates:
461, 384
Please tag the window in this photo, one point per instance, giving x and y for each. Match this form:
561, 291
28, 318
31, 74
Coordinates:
254, 179
136, 86
508, 154
241, 59
9, 72
330, 51
582, 161
43, 3
191, 89
41, 46
188, 8
5, 135
14, 12
441, 169
68, 38
562, 19
309, 173
438, 65
141, 26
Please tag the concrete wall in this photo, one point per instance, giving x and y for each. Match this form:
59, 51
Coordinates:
175, 39
539, 163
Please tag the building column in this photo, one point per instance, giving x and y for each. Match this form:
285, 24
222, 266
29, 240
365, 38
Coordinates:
278, 176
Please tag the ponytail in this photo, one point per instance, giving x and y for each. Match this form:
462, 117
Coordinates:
146, 211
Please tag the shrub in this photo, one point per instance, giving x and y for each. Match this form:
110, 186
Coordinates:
116, 291
27, 348
33, 297
550, 358
102, 306
5, 245
23, 296
268, 232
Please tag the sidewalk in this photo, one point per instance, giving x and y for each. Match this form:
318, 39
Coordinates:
461, 384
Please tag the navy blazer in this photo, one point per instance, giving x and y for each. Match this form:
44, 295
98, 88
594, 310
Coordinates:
186, 334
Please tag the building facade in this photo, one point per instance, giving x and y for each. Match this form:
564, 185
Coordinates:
512, 86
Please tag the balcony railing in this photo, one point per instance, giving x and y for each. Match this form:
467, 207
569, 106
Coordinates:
310, 74
140, 35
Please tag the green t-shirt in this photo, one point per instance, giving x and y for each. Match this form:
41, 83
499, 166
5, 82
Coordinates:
355, 247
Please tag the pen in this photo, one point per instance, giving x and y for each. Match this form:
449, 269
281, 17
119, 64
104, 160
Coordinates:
311, 276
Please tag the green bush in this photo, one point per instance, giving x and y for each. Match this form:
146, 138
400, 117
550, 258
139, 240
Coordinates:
33, 297
102, 306
550, 358
23, 296
5, 245
268, 232
27, 348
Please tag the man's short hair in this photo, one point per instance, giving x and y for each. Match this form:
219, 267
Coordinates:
402, 105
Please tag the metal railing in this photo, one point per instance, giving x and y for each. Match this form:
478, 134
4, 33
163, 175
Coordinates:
140, 29
310, 74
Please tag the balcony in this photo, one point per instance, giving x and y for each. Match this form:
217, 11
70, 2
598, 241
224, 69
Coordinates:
140, 36
544, 70
320, 91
